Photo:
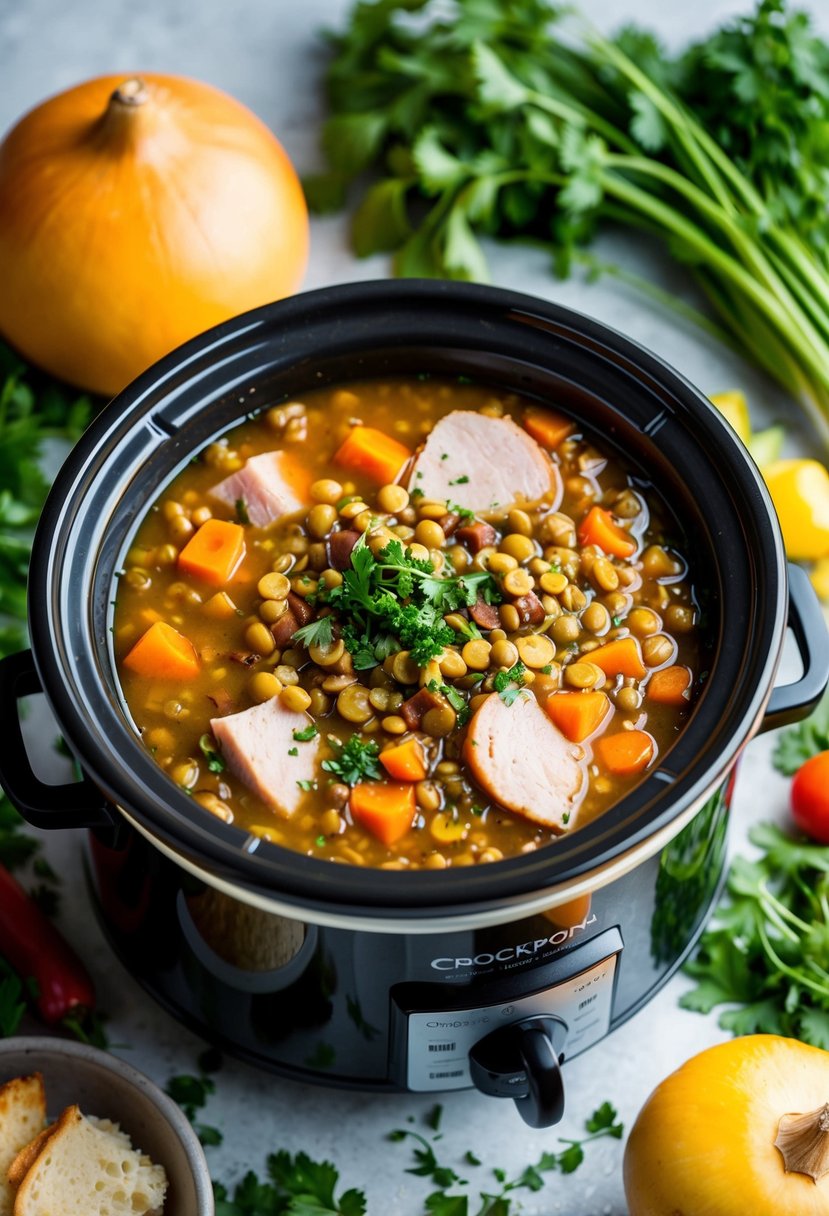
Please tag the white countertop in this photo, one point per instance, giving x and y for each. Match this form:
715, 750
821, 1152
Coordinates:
265, 52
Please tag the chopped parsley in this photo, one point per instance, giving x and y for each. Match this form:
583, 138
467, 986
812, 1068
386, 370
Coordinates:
242, 511
355, 760
306, 734
293, 751
508, 684
305, 784
393, 601
460, 481
547, 669
454, 698
215, 763
416, 492
455, 508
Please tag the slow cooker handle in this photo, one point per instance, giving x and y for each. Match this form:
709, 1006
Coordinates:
79, 804
791, 702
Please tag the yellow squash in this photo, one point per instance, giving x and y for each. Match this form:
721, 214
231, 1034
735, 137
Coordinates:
800, 492
740, 1130
135, 213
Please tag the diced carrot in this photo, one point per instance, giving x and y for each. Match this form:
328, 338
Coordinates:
214, 552
383, 808
405, 761
599, 528
628, 752
547, 427
577, 714
378, 456
670, 686
220, 606
162, 653
621, 657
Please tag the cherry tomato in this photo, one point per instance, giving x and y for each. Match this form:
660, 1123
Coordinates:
810, 798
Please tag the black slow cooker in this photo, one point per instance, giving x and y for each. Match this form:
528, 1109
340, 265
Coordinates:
385, 980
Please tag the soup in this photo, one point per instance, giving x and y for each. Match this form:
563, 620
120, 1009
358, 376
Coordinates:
411, 623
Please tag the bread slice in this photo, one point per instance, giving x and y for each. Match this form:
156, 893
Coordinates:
22, 1117
83, 1170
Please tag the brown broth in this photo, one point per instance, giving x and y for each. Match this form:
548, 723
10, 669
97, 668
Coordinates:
456, 823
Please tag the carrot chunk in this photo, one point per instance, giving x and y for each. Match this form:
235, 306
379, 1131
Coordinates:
162, 653
577, 714
621, 657
599, 528
385, 809
378, 456
547, 427
405, 761
214, 552
670, 686
628, 752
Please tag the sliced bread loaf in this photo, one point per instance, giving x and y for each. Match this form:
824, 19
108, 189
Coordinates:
22, 1116
83, 1170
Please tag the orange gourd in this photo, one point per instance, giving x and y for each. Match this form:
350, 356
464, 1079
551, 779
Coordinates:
135, 213
739, 1130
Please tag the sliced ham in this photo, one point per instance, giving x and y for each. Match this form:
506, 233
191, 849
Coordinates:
269, 485
476, 536
524, 762
255, 745
502, 463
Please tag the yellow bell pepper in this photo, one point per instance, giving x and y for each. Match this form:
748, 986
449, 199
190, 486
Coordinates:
800, 492
734, 408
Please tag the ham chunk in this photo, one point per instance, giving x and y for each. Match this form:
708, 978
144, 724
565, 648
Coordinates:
267, 485
522, 761
255, 745
485, 464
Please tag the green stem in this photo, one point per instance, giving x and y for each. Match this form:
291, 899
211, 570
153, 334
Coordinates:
673, 222
799, 977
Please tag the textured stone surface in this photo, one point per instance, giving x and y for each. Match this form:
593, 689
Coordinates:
266, 52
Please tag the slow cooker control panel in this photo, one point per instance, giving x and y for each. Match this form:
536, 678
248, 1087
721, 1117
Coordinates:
432, 1038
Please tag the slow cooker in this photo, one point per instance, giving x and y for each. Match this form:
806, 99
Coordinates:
430, 981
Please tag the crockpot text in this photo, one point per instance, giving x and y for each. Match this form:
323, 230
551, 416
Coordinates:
510, 953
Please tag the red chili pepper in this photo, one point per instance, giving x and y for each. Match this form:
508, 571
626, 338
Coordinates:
35, 949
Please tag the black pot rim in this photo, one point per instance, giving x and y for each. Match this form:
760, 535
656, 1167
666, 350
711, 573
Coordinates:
162, 407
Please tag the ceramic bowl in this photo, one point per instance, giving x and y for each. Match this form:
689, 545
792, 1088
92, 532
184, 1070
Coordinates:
101, 1084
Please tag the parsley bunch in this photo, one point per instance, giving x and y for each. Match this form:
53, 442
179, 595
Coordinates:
394, 601
483, 119
296, 1186
766, 953
355, 760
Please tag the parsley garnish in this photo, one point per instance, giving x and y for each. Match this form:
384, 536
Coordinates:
296, 1186
547, 669
453, 1196
215, 762
460, 481
508, 684
293, 751
454, 698
454, 508
394, 601
355, 760
316, 633
305, 784
307, 733
192, 1093
242, 511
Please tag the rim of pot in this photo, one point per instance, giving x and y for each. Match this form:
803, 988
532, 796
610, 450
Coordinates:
665, 430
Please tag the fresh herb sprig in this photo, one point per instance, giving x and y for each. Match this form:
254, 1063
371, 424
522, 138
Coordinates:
296, 1186
492, 122
192, 1092
453, 1197
510, 684
394, 601
354, 761
764, 954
